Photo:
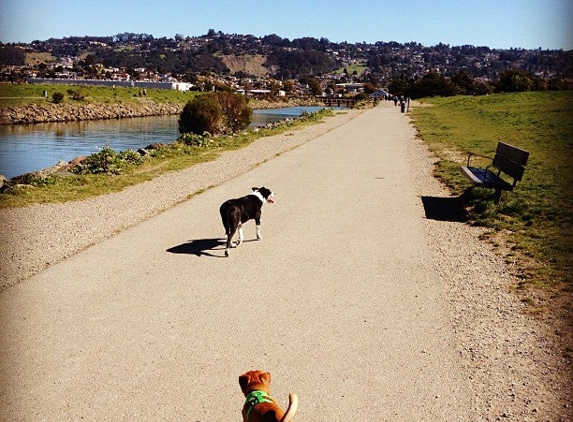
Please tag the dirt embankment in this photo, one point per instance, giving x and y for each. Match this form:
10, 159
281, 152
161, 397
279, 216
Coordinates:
249, 64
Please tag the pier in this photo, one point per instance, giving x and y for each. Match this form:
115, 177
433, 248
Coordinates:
339, 102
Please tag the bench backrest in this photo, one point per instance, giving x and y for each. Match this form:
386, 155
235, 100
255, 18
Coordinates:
510, 160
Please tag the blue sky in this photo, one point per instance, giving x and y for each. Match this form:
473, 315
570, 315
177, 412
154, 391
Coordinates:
494, 23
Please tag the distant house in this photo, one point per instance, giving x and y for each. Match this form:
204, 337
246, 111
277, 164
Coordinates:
254, 92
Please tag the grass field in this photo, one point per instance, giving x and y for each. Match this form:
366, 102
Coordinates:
24, 94
536, 219
350, 70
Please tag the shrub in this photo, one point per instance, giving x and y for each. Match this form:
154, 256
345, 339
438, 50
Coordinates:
104, 161
38, 179
202, 114
76, 94
108, 161
237, 115
130, 157
57, 97
222, 112
196, 140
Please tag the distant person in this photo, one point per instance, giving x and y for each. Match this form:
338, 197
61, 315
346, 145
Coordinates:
395, 100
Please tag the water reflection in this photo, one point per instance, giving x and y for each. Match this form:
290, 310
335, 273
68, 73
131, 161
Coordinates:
25, 148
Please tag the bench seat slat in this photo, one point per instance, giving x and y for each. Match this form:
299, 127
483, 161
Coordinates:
485, 178
508, 160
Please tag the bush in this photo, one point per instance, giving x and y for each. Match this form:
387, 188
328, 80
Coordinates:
57, 97
76, 94
108, 161
103, 161
222, 112
237, 115
196, 140
130, 157
37, 179
202, 114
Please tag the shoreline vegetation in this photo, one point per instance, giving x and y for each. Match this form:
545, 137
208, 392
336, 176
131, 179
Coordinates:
109, 171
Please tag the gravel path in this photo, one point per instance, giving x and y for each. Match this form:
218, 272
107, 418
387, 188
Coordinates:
513, 363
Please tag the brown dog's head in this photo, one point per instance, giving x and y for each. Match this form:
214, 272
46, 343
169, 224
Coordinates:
255, 381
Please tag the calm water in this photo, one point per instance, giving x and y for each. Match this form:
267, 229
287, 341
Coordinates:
26, 148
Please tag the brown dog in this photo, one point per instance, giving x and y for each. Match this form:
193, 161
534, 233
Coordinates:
260, 406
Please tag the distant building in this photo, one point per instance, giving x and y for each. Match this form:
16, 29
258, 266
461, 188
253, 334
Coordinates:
380, 94
181, 86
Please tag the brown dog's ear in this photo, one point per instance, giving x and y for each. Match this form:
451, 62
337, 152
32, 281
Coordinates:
244, 381
265, 378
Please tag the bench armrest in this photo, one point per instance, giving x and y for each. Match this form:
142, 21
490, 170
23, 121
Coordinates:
470, 154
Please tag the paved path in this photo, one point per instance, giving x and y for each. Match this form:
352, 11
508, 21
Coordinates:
340, 301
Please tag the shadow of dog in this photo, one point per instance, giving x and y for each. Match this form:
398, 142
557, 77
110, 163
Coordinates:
199, 247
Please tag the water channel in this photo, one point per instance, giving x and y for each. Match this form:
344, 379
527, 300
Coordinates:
26, 148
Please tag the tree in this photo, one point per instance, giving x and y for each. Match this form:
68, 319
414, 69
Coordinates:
432, 84
314, 86
399, 86
514, 80
369, 88
464, 82
12, 55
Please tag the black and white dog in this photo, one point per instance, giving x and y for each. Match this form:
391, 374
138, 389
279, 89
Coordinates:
235, 212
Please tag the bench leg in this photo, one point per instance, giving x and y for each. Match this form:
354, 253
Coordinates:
497, 196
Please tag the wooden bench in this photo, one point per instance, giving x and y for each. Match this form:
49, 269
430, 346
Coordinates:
508, 160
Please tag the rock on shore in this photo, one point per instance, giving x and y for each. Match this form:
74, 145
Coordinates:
69, 112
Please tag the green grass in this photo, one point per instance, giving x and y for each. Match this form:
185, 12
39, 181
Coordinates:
536, 219
12, 95
358, 68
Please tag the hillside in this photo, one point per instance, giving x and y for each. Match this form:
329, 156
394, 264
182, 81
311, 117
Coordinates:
271, 55
248, 64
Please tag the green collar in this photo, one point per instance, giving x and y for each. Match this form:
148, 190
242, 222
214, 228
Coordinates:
256, 397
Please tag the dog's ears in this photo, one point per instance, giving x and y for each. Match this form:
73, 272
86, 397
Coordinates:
265, 378
255, 189
256, 378
244, 381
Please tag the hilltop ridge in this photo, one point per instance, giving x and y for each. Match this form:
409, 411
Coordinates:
235, 55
